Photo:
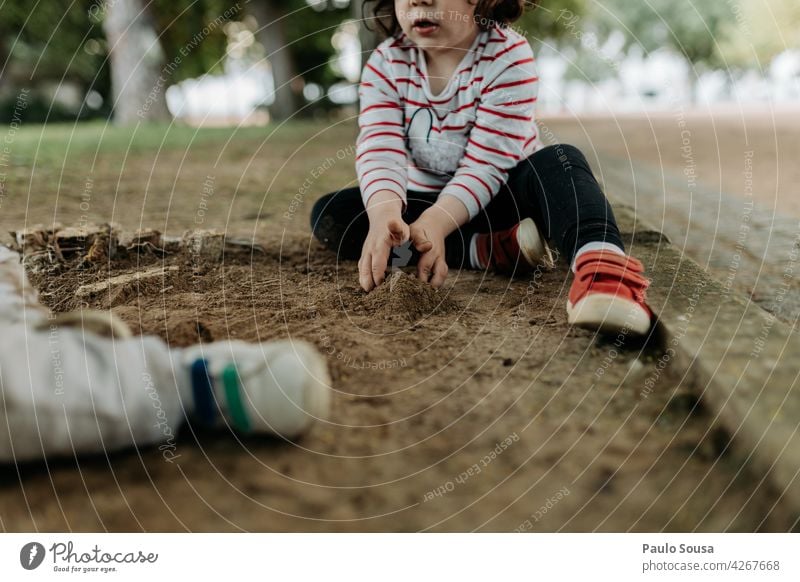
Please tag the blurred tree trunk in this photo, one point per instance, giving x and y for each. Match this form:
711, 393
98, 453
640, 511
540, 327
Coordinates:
7, 82
138, 78
272, 36
4, 65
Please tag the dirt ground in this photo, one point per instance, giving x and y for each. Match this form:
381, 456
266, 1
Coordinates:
473, 408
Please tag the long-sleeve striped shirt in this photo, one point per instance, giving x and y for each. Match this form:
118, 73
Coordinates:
461, 142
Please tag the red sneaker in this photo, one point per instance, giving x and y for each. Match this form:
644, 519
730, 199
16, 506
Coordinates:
608, 294
519, 249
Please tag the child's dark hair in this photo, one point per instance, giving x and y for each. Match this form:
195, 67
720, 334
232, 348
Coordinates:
487, 13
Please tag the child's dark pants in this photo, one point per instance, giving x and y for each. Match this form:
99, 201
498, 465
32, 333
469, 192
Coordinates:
554, 186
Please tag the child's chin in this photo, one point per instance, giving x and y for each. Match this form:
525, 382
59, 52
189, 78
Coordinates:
427, 41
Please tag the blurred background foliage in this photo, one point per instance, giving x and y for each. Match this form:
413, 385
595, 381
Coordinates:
67, 53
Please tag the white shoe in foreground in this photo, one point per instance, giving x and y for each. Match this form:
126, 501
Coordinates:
279, 387
18, 299
66, 392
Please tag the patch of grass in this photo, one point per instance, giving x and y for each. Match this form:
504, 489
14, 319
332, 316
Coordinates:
159, 174
60, 141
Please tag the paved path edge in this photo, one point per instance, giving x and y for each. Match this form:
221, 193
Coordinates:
744, 361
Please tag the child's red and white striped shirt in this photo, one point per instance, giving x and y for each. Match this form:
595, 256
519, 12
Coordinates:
461, 142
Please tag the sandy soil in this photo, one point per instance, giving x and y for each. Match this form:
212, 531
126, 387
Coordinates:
474, 408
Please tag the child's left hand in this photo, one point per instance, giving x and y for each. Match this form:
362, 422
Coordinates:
428, 239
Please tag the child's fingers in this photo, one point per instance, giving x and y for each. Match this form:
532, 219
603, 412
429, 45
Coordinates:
365, 272
425, 268
380, 259
440, 270
420, 240
398, 231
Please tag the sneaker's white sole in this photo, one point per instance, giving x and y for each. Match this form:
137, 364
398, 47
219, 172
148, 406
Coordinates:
609, 314
532, 245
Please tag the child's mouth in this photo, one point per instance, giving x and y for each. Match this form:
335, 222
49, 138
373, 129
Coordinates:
425, 27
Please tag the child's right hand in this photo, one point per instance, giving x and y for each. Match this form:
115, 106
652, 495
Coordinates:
384, 233
387, 229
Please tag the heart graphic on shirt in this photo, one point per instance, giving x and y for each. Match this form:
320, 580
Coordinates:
433, 150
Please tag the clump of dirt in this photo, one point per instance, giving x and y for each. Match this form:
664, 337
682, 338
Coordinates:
406, 296
100, 268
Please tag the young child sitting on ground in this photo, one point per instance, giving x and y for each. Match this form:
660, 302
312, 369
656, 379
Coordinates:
67, 391
449, 158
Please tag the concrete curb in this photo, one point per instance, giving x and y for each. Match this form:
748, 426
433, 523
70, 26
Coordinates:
746, 247
744, 360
